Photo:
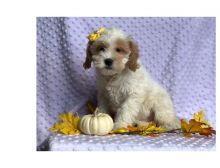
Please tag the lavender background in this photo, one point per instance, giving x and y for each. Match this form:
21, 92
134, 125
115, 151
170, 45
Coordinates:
178, 52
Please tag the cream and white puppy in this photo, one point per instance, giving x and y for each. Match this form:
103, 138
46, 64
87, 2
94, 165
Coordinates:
125, 89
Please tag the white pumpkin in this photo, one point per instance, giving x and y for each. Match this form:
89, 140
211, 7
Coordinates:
96, 124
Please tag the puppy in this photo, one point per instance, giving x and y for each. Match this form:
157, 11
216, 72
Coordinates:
125, 89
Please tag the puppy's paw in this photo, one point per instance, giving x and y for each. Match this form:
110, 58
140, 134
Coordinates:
175, 124
142, 123
120, 125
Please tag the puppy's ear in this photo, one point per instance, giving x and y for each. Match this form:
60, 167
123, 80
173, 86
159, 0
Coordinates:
88, 61
133, 57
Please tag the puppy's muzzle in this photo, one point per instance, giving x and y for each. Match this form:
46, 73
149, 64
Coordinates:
108, 63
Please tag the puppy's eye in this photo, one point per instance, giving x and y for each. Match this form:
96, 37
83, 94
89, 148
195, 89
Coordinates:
118, 50
101, 49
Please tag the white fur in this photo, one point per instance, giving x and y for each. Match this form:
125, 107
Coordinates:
132, 96
112, 34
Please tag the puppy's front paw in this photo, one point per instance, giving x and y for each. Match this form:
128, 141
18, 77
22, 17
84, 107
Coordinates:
142, 123
175, 124
120, 125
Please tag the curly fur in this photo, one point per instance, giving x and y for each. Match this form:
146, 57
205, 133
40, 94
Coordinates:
126, 90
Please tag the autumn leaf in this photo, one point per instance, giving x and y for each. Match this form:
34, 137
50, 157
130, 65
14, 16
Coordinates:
68, 124
150, 130
207, 131
132, 128
191, 127
120, 131
200, 118
195, 127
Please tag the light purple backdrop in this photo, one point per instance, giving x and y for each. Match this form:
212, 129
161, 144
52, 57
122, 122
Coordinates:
178, 52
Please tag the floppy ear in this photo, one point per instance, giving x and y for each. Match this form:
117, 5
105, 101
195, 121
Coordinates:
88, 61
132, 61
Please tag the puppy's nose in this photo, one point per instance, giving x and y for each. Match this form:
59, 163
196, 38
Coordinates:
108, 61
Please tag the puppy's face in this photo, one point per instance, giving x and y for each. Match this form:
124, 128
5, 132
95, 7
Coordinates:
111, 54
110, 57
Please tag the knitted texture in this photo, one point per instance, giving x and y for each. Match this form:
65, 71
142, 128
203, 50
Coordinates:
179, 53
164, 142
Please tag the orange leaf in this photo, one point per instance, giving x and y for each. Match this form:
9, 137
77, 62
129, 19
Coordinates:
195, 127
207, 131
132, 129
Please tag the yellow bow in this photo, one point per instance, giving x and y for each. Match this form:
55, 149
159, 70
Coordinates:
96, 35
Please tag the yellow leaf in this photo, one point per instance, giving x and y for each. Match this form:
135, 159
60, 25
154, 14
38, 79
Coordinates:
190, 127
205, 126
96, 35
68, 125
63, 117
93, 36
152, 129
120, 130
76, 121
149, 130
200, 117
195, 127
70, 117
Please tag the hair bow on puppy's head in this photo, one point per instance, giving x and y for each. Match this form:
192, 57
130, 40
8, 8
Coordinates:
96, 35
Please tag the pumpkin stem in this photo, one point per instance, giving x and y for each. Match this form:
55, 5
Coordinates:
96, 111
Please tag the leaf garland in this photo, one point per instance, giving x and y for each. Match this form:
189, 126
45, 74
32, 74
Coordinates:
68, 125
150, 130
197, 125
